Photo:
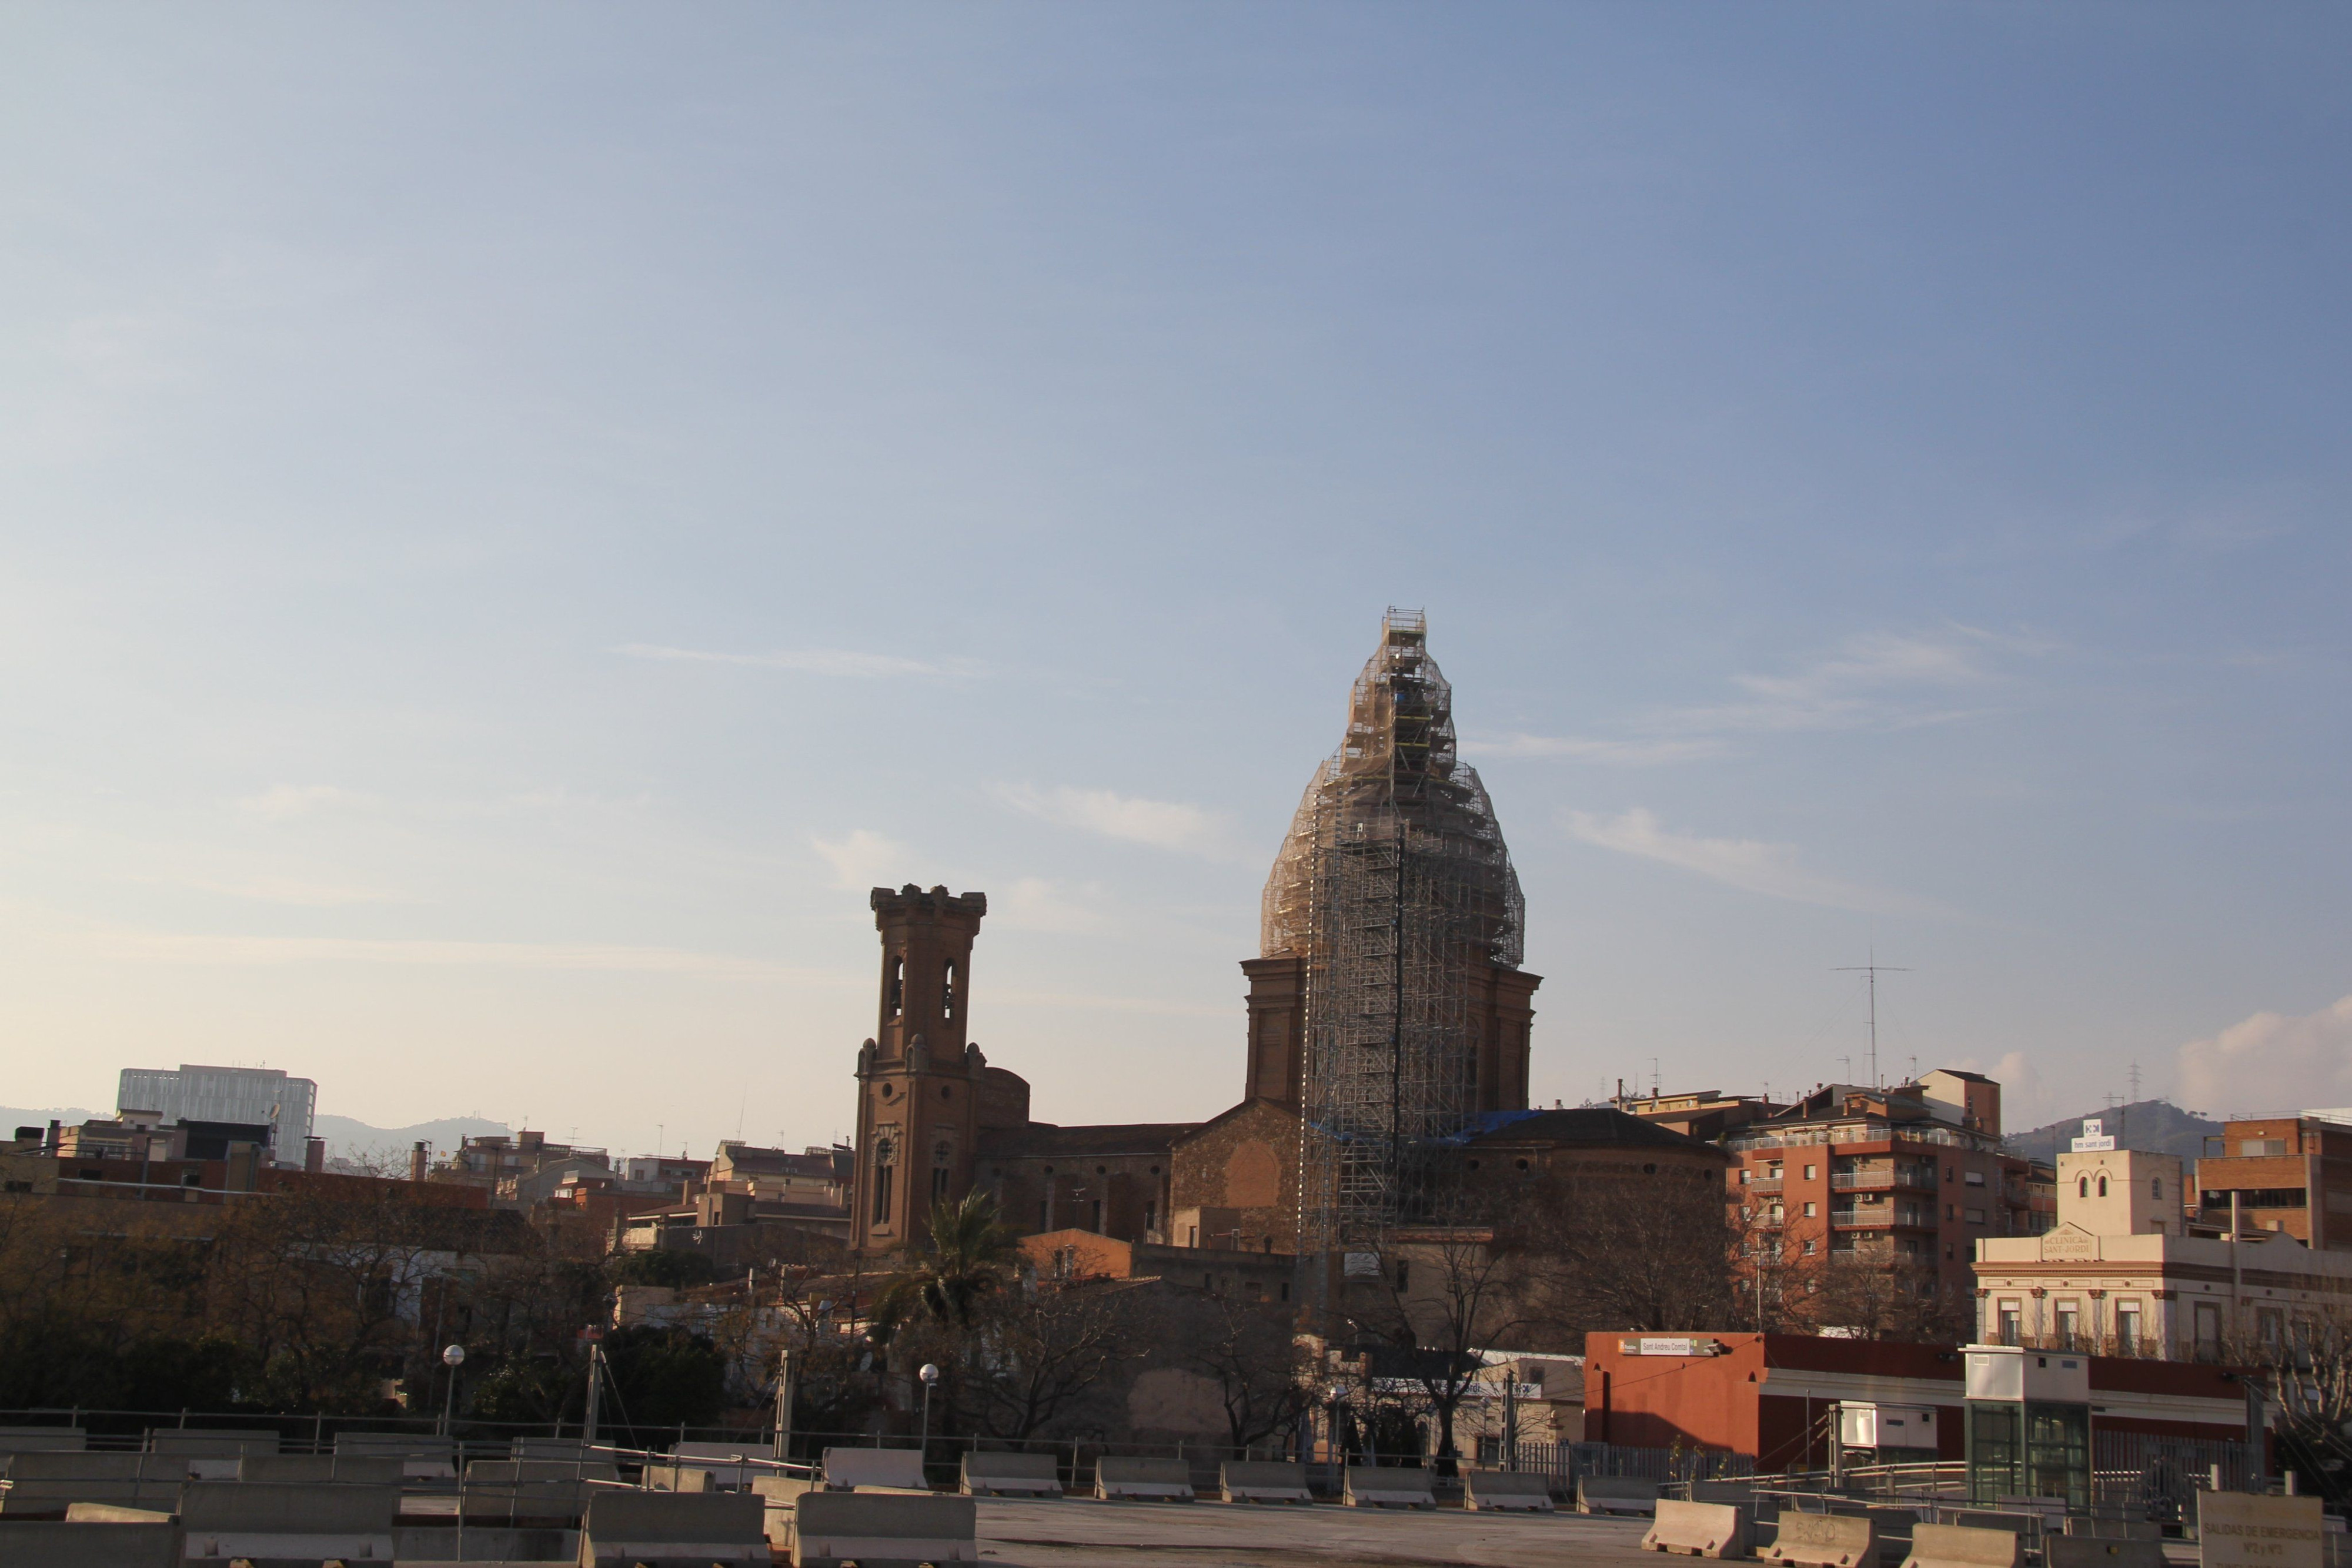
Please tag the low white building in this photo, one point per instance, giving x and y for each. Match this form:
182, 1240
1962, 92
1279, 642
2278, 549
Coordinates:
2118, 1277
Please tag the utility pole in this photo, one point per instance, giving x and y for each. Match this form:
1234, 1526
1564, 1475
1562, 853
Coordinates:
1873, 970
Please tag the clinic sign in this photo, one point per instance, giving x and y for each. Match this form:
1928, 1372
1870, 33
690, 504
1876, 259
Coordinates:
2237, 1530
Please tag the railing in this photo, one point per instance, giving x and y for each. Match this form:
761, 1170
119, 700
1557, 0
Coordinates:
1562, 1463
1864, 1181
1886, 1218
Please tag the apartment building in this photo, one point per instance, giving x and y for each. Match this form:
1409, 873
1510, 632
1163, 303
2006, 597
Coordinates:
1912, 1177
245, 1096
2291, 1175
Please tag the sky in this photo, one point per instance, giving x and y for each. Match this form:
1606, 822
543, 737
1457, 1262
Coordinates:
514, 517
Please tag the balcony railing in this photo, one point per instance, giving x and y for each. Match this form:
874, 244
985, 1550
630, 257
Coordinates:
1764, 1184
1883, 1219
1864, 1181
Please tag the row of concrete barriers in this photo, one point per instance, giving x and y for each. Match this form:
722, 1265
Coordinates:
220, 1523
1855, 1540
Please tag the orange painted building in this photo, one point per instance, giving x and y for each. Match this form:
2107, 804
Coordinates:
1772, 1396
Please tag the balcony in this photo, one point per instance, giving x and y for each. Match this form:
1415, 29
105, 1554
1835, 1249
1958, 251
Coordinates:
1881, 1179
1882, 1216
1764, 1184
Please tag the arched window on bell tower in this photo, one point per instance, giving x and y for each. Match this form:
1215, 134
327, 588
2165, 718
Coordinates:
897, 995
948, 991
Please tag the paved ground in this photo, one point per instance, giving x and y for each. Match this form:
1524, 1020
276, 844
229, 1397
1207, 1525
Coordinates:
1077, 1531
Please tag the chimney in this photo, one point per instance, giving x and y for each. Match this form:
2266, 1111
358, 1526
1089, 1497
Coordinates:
416, 1161
314, 1155
49, 1143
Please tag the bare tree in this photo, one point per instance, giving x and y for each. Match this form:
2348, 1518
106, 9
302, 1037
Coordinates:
1251, 1351
1448, 1291
1041, 1352
1628, 1251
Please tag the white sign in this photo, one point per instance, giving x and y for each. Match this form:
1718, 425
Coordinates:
1361, 1265
2094, 1145
1667, 1346
2238, 1530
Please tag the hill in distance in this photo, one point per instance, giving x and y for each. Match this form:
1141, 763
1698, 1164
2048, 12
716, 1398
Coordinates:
2156, 1127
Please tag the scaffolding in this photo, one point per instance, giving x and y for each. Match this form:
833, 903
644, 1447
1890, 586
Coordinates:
1396, 889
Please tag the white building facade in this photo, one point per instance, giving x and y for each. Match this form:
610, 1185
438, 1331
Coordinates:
252, 1096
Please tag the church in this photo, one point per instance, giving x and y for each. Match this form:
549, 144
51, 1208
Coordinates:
1386, 1017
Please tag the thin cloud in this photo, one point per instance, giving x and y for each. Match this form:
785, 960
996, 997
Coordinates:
1880, 680
1585, 748
1162, 824
840, 661
282, 802
863, 860
230, 950
1753, 865
1034, 904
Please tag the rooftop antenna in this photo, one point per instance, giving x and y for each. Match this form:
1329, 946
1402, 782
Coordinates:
1658, 1080
1871, 970
2135, 1082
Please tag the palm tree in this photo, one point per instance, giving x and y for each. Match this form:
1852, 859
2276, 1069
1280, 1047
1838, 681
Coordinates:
967, 1257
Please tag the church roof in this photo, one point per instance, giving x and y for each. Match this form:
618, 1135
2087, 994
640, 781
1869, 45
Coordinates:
1113, 1138
1581, 1125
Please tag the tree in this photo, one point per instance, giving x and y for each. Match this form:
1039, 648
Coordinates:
662, 1266
1251, 1351
1450, 1291
965, 1259
1624, 1250
665, 1376
1039, 1353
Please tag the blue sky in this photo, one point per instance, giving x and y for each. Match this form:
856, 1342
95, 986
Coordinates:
512, 517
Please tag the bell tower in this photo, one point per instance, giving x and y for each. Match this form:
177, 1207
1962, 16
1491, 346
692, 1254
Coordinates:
919, 1078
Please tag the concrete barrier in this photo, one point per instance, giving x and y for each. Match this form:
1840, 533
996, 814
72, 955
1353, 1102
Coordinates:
1011, 1475
1615, 1494
1263, 1480
511, 1472
731, 1464
1143, 1481
44, 1484
1486, 1490
1723, 1492
525, 1505
2100, 1552
847, 1469
41, 1440
320, 1470
421, 1459
832, 1528
657, 1530
1698, 1529
1826, 1540
680, 1478
209, 1443
1959, 1546
90, 1544
1388, 1486
222, 1520
485, 1545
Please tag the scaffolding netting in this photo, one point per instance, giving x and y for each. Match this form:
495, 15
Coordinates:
1396, 889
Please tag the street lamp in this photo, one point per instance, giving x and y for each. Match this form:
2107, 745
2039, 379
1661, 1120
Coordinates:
930, 1377
453, 1357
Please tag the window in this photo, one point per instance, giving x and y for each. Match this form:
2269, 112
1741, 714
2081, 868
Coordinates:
2083, 1186
947, 991
2127, 1328
2270, 1327
885, 1167
1044, 1213
1972, 1178
1193, 1236
1808, 1211
2155, 1186
1809, 1172
2102, 1187
1808, 1253
2262, 1146
1948, 1212
2070, 1318
2011, 1318
1097, 1226
939, 1175
2209, 1331
1743, 1181
1286, 1290
894, 998
1947, 1249
1151, 1217
1976, 1216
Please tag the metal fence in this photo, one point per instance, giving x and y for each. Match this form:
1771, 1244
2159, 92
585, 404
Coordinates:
1562, 1463
2158, 1477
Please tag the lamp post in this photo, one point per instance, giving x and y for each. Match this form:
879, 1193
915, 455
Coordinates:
453, 1357
1331, 1443
930, 1377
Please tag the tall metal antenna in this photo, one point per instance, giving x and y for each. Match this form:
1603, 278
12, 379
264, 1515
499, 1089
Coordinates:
2135, 1080
1871, 970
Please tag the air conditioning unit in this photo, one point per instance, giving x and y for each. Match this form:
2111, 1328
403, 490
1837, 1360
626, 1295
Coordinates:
1862, 1426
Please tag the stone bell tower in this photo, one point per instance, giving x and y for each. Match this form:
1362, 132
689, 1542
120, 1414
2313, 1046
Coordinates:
919, 1080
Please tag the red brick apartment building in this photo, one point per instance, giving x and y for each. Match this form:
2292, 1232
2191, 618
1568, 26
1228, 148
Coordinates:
2286, 1174
1770, 1397
1913, 1176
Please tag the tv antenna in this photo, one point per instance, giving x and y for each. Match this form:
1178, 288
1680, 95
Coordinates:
1873, 970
